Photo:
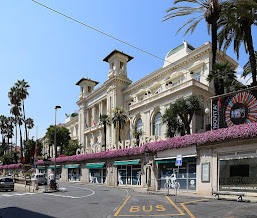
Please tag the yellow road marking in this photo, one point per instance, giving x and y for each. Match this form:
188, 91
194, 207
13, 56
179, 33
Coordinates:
174, 205
187, 210
117, 212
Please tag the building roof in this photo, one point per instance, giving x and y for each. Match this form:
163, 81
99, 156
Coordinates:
86, 79
119, 52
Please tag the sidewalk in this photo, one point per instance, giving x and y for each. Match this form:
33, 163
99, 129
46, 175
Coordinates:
247, 198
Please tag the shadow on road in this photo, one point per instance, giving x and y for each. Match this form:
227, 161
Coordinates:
16, 212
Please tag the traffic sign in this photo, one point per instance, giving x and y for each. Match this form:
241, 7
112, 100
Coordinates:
179, 160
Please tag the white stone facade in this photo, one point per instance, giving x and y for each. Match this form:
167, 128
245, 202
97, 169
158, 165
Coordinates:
183, 74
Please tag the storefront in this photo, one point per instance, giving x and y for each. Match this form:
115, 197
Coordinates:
129, 172
42, 169
238, 171
97, 172
74, 172
186, 174
58, 171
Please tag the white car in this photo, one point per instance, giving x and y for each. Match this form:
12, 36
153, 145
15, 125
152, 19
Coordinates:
40, 177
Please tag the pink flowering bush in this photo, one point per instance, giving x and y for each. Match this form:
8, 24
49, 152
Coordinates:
216, 136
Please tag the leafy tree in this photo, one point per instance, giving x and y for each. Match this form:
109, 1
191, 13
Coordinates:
226, 75
247, 67
22, 93
29, 150
3, 130
71, 148
119, 119
105, 120
185, 109
62, 136
16, 111
9, 130
137, 134
203, 9
236, 25
172, 122
30, 124
6, 159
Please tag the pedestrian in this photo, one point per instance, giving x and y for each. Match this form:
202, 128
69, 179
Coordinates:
51, 177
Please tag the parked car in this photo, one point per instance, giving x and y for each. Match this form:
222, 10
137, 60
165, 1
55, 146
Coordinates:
6, 184
40, 177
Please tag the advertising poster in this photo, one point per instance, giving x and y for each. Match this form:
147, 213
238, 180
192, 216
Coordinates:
234, 109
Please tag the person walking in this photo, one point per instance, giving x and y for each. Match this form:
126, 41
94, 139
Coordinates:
51, 178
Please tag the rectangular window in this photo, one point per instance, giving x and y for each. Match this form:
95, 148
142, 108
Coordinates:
197, 76
89, 89
239, 170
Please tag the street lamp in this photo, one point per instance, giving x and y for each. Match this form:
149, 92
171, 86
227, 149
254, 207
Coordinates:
55, 146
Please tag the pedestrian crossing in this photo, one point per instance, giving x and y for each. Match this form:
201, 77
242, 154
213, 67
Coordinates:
16, 194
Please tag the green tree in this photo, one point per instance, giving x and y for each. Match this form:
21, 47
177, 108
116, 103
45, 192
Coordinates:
16, 111
6, 159
22, 92
119, 119
174, 125
9, 130
71, 148
29, 150
247, 67
30, 124
185, 109
105, 120
203, 9
62, 136
3, 131
236, 26
226, 75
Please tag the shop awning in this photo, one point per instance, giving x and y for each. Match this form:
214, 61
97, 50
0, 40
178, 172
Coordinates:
41, 167
127, 162
57, 167
72, 166
186, 158
94, 165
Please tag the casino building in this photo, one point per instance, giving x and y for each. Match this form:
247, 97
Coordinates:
183, 74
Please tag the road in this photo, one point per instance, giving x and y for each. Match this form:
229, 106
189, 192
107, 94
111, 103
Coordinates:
77, 201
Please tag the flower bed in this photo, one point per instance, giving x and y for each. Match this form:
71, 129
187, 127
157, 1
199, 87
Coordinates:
236, 132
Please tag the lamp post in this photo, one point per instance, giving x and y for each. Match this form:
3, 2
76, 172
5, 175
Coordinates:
55, 146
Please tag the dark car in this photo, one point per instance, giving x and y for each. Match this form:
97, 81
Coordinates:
6, 184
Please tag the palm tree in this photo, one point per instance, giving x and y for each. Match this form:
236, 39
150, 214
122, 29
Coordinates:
105, 120
236, 21
173, 123
9, 130
22, 91
3, 130
204, 9
185, 109
16, 111
119, 119
30, 124
247, 67
226, 75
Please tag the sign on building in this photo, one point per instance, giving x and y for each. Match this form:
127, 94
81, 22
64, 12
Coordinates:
179, 160
234, 109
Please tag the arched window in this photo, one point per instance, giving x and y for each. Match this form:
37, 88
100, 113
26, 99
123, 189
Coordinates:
139, 125
157, 125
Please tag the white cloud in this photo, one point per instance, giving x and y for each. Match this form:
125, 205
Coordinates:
247, 80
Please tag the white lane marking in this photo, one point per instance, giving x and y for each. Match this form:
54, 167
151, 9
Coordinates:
116, 208
74, 197
17, 194
109, 216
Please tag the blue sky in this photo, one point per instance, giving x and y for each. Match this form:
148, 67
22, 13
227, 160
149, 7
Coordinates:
52, 52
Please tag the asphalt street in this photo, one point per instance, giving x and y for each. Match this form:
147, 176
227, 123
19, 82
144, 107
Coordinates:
78, 200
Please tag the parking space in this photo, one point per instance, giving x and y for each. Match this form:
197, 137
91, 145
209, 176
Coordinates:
165, 206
